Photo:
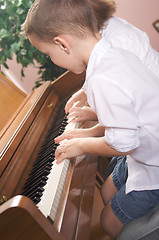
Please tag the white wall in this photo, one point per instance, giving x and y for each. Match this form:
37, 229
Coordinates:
26, 84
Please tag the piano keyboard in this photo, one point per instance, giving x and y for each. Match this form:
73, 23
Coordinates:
48, 181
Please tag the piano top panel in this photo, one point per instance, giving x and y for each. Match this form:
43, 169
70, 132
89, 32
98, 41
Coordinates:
22, 122
10, 99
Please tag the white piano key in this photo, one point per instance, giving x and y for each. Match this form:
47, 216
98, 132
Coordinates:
52, 187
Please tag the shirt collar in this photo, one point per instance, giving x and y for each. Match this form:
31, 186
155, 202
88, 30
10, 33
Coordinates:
101, 48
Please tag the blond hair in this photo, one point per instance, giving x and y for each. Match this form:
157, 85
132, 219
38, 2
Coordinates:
50, 18
103, 10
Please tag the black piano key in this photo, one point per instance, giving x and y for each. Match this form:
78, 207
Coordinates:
35, 194
47, 146
43, 168
31, 193
47, 153
55, 128
35, 183
40, 183
47, 149
60, 132
48, 143
52, 135
36, 200
36, 177
42, 164
53, 132
37, 169
49, 158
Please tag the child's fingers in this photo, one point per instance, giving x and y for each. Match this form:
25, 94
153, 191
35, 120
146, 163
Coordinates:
79, 104
61, 153
72, 116
68, 106
65, 136
59, 156
59, 138
70, 103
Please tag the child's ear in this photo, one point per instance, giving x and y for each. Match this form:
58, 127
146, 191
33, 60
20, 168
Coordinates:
63, 43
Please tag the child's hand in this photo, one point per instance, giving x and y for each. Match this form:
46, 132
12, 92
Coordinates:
68, 149
78, 114
79, 98
66, 135
75, 133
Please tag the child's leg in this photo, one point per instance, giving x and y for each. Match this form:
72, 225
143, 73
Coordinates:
110, 222
123, 208
108, 190
116, 180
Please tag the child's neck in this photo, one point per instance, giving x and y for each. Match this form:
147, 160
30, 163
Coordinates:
84, 47
87, 45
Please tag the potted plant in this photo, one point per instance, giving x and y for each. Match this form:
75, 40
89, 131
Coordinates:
12, 15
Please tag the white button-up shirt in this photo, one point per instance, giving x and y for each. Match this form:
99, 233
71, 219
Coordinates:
125, 96
126, 36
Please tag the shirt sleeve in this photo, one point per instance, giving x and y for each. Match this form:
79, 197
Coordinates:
123, 140
84, 87
115, 108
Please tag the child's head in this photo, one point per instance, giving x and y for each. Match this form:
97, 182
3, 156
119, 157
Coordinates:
50, 18
66, 30
103, 10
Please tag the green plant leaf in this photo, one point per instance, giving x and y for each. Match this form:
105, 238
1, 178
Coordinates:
4, 34
12, 15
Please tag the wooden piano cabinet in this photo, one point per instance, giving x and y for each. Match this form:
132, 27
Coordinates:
21, 220
79, 205
20, 142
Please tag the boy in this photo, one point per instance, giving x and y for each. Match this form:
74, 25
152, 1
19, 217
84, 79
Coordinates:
122, 92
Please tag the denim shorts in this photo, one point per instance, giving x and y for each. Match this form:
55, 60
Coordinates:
135, 204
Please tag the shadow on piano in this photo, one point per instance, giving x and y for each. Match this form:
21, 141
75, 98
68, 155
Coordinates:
26, 162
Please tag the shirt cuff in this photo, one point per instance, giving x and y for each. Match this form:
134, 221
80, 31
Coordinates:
122, 140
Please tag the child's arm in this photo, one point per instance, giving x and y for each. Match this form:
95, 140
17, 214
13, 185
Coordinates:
79, 146
95, 131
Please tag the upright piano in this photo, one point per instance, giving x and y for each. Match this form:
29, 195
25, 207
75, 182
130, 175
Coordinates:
28, 170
